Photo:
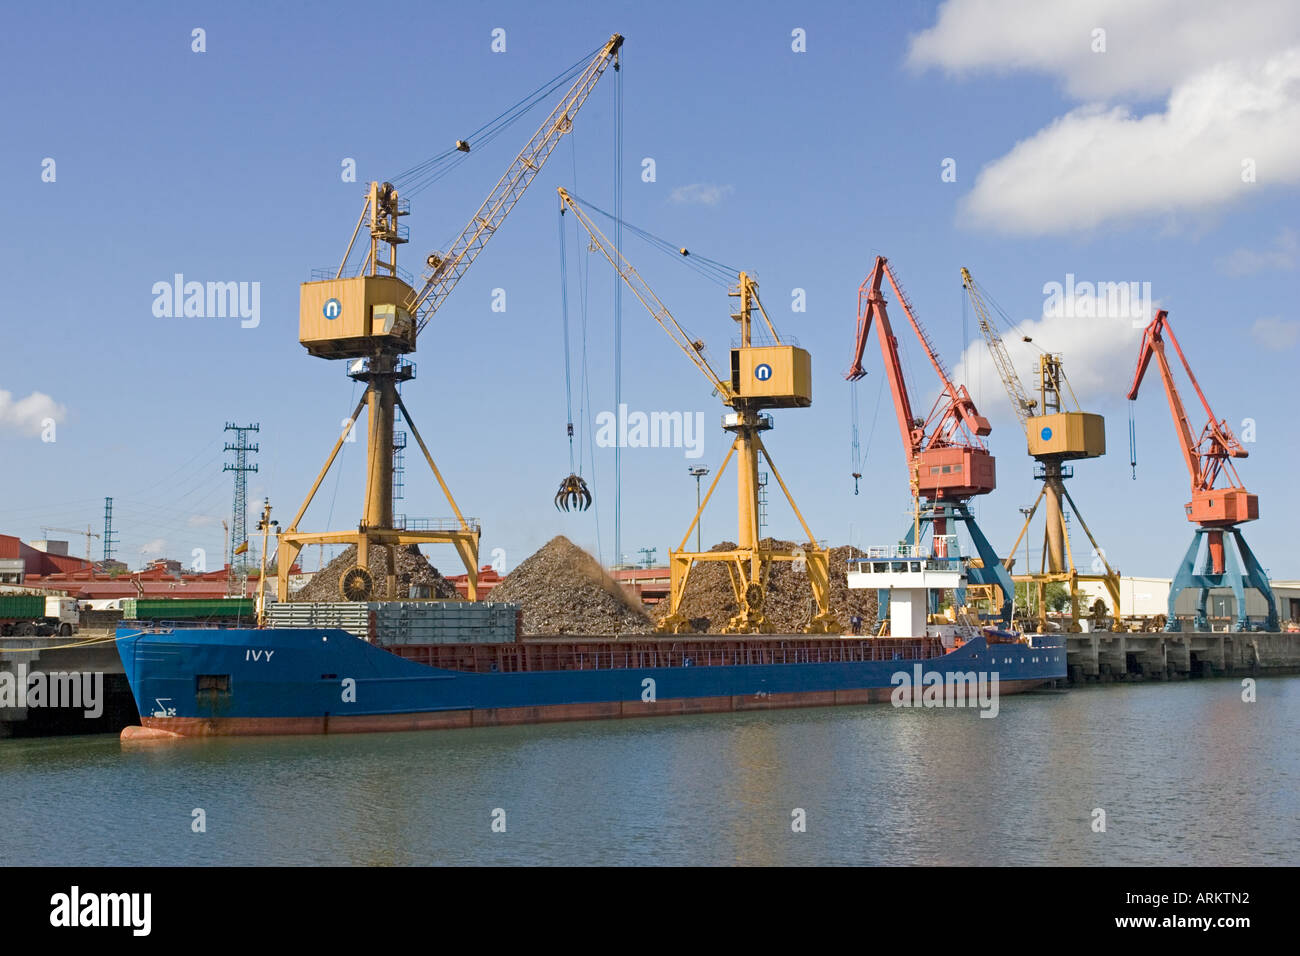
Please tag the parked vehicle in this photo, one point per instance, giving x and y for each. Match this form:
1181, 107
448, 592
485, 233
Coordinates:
35, 615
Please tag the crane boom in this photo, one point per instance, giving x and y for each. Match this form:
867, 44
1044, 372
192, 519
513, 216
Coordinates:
646, 296
1207, 456
954, 407
1020, 400
871, 307
444, 271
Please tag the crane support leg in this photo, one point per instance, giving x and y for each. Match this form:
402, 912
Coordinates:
1184, 578
1229, 574
994, 571
1257, 579
1056, 546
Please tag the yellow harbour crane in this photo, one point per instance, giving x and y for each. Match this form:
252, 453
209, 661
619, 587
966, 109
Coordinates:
761, 377
372, 319
1056, 434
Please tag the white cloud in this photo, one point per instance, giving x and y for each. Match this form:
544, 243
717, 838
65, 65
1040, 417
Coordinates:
1150, 47
156, 546
1276, 333
1231, 73
1282, 256
28, 415
704, 194
1095, 165
1098, 355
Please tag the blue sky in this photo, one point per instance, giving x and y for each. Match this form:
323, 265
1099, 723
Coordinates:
1120, 164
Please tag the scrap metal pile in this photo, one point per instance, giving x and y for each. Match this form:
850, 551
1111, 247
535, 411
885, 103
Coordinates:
709, 601
412, 568
564, 590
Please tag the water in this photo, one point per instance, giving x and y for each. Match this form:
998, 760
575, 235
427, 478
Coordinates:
1186, 772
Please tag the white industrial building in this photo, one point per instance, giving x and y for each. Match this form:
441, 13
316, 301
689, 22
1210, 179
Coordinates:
1147, 597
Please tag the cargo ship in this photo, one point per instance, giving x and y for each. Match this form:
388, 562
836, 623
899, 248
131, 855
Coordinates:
394, 670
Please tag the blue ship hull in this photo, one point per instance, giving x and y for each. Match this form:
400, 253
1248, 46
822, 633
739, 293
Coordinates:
305, 680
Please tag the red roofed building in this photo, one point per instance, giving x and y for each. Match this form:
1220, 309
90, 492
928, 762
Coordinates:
487, 580
156, 581
39, 562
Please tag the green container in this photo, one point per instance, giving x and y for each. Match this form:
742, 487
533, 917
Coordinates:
180, 609
21, 606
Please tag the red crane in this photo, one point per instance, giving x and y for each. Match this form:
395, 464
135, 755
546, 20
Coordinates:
947, 460
1215, 510
945, 456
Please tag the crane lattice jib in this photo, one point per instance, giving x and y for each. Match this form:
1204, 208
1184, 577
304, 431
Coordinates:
871, 306
445, 272
1208, 455
955, 407
647, 297
1001, 360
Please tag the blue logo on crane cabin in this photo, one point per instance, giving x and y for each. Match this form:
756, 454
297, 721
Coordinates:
762, 372
333, 309
1046, 434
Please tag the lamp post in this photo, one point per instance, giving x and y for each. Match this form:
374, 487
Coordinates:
699, 471
264, 526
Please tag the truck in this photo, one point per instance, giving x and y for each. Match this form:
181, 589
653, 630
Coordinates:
36, 615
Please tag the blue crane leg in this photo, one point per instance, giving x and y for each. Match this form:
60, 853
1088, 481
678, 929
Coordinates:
1185, 578
993, 572
1257, 579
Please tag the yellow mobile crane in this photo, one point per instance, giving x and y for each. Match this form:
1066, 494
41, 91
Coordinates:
774, 376
373, 318
1056, 434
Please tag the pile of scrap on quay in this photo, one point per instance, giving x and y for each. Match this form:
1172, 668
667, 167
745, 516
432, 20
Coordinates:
709, 601
564, 590
412, 568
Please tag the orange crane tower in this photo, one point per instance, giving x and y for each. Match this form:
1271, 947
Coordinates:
1216, 511
947, 460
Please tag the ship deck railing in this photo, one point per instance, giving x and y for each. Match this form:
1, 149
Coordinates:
584, 655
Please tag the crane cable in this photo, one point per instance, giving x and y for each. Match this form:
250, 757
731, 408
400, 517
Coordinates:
564, 312
422, 175
711, 269
857, 453
716, 272
1132, 441
618, 312
427, 172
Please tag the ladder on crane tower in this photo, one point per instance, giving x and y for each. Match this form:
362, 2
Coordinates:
906, 302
